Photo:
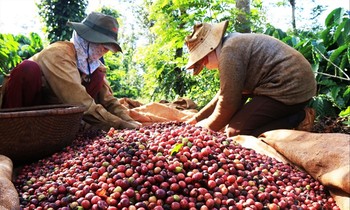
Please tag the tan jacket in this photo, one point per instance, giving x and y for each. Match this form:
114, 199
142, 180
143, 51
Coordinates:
63, 84
257, 64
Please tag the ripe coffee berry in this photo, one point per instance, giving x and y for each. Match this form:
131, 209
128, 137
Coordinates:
165, 166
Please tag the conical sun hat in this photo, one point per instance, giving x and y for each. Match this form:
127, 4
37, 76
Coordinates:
204, 39
99, 28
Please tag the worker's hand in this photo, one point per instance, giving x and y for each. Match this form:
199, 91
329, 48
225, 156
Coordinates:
203, 123
191, 121
130, 124
138, 124
140, 117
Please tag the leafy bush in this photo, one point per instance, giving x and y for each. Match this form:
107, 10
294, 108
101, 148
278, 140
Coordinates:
56, 13
328, 51
14, 49
123, 78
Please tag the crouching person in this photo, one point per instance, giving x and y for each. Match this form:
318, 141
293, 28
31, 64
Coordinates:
277, 80
71, 72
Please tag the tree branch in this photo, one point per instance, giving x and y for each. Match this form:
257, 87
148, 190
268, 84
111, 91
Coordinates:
335, 66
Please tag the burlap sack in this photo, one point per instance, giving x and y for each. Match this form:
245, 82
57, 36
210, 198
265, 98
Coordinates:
156, 112
130, 103
8, 195
258, 146
183, 104
325, 156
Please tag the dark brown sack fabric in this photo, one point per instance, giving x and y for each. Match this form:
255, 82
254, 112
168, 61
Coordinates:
8, 195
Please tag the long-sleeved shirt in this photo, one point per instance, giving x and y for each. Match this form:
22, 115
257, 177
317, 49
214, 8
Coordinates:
63, 84
257, 64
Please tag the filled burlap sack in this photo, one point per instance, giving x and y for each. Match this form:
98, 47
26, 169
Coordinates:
251, 142
325, 156
8, 195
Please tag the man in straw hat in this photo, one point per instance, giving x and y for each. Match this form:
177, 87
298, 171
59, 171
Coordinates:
277, 80
71, 72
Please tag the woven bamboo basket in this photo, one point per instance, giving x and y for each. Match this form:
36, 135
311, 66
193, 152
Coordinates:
31, 133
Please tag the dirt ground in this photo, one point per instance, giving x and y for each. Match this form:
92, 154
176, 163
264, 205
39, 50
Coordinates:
331, 125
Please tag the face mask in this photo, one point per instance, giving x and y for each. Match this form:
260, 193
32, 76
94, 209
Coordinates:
96, 51
87, 62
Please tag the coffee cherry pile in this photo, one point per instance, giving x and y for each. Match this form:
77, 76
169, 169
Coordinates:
165, 166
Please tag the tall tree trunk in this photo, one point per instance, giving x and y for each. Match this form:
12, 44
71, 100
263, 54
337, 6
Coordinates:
243, 21
292, 3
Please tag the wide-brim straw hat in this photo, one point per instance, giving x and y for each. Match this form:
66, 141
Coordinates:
204, 39
99, 28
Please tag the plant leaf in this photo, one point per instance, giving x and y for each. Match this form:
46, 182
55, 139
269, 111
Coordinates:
334, 17
176, 148
343, 28
336, 54
345, 112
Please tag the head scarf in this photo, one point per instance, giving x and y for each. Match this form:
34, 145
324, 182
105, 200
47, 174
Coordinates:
88, 54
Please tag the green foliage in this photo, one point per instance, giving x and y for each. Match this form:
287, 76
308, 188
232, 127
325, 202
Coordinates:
332, 60
109, 11
155, 71
9, 57
124, 79
123, 73
28, 46
165, 56
171, 21
328, 52
14, 49
204, 87
56, 13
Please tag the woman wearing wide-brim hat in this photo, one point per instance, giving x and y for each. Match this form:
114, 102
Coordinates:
71, 72
276, 78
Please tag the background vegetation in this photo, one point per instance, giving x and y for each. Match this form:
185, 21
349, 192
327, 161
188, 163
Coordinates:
154, 71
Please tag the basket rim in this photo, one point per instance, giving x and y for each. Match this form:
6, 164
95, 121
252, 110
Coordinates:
42, 110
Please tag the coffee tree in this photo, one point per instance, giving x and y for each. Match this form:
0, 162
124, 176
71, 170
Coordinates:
14, 49
327, 51
56, 13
